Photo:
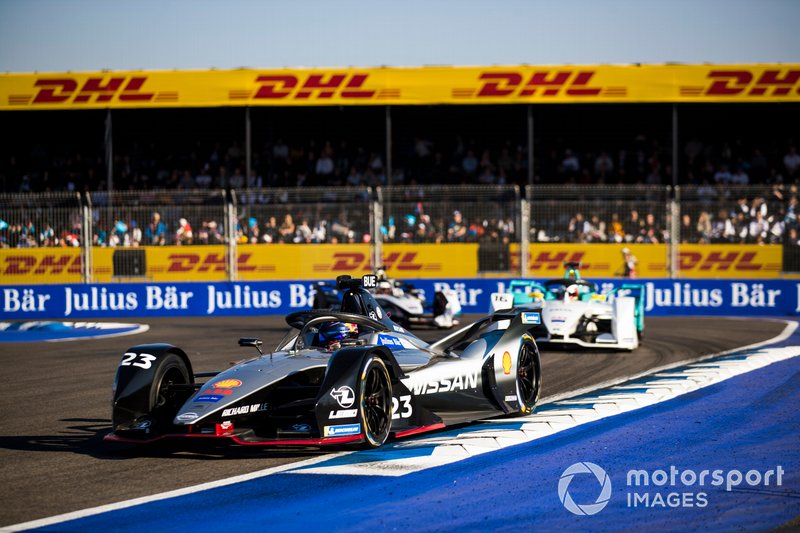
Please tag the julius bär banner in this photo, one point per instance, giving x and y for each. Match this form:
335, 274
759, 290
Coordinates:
662, 297
402, 86
712, 261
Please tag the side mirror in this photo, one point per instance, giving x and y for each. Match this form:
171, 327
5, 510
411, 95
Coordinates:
248, 341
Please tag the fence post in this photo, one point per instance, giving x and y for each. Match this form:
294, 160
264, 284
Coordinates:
86, 237
525, 234
376, 221
230, 223
675, 231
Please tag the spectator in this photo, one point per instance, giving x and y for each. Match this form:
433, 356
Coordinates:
704, 228
570, 164
722, 176
156, 232
237, 180
617, 233
740, 177
629, 263
603, 165
184, 235
469, 163
324, 167
456, 229
203, 179
287, 229
759, 229
791, 161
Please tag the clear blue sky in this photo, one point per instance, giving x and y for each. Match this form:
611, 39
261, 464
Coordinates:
57, 35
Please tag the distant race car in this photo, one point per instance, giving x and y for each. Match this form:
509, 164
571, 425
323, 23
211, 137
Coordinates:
401, 301
574, 312
350, 376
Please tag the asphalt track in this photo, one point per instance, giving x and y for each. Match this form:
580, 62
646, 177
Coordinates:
56, 405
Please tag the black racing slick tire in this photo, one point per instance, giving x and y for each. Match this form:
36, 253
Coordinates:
375, 401
157, 401
171, 371
529, 380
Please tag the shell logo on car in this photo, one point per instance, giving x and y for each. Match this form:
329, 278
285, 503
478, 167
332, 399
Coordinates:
227, 384
506, 363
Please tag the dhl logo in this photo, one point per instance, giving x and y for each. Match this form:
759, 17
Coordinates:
723, 261
67, 90
343, 85
776, 82
24, 265
540, 83
208, 262
554, 261
360, 262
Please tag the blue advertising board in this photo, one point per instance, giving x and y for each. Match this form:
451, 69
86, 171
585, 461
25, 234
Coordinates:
114, 300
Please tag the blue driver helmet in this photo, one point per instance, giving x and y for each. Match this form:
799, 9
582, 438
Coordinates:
336, 331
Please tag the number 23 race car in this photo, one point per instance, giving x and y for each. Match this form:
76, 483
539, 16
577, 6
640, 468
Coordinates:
350, 376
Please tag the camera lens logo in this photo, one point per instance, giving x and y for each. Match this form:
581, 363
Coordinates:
588, 508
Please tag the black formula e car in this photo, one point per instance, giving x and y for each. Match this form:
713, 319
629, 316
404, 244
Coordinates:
350, 376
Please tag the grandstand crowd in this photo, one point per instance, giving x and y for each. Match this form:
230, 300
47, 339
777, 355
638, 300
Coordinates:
711, 167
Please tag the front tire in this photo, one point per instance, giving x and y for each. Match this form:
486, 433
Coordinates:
155, 402
375, 403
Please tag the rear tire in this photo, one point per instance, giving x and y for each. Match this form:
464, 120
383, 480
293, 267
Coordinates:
529, 379
375, 401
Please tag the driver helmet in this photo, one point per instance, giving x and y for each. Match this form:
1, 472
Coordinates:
331, 334
384, 287
572, 294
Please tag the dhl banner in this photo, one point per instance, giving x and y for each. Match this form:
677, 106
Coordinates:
730, 261
254, 262
597, 260
403, 261
402, 86
43, 265
714, 261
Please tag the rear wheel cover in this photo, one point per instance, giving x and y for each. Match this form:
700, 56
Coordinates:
375, 402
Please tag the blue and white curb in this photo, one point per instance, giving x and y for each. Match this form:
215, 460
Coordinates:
556, 415
48, 331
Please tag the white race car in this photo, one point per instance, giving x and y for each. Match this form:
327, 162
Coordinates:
406, 305
403, 302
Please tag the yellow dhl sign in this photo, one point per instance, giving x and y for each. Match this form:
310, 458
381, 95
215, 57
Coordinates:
253, 262
325, 262
694, 260
402, 86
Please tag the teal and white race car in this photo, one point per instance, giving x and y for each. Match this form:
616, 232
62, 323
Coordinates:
573, 311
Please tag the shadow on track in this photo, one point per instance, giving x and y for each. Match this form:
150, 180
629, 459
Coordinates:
84, 436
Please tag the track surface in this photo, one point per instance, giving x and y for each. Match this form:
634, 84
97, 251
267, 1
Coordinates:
56, 406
